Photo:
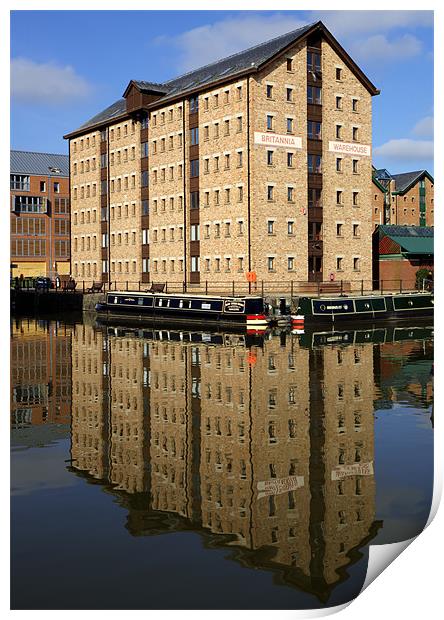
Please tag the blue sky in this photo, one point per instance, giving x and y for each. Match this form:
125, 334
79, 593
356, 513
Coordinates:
59, 80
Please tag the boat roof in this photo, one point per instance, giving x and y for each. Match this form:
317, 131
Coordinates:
184, 295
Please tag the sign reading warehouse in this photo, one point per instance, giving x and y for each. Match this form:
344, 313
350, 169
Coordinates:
349, 149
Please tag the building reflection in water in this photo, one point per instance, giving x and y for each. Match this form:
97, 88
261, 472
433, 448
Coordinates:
40, 358
265, 447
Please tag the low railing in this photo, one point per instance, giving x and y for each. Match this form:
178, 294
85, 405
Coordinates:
264, 288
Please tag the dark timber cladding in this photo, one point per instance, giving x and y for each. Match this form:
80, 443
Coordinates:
314, 154
105, 203
193, 127
144, 196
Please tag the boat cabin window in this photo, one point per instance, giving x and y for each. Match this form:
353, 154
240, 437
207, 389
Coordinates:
254, 306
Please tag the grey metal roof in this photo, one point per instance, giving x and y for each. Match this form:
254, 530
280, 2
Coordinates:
28, 162
405, 231
404, 180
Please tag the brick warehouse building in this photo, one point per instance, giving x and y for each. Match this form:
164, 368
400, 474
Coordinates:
40, 228
405, 199
260, 162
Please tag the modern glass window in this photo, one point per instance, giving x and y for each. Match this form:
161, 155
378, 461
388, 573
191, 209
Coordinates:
289, 94
103, 135
270, 263
289, 125
103, 187
194, 104
42, 186
194, 168
270, 227
314, 130
290, 227
355, 134
194, 200
269, 91
339, 263
270, 192
338, 132
195, 232
314, 94
57, 187
194, 135
290, 263
269, 122
195, 264
269, 158
338, 197
355, 166
313, 61
30, 204
290, 194
21, 182
144, 121
144, 149
103, 160
314, 163
338, 164
290, 160
144, 178
314, 197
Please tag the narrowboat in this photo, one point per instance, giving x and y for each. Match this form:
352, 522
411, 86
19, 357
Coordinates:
371, 308
234, 312
378, 334
210, 338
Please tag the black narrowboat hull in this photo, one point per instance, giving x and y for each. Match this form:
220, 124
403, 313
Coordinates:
370, 309
376, 334
164, 309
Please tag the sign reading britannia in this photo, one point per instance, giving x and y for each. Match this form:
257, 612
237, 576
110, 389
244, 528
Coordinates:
346, 148
276, 139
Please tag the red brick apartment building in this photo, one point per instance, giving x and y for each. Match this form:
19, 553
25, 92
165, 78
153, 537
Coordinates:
405, 199
40, 220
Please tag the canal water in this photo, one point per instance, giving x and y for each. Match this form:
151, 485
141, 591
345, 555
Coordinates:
189, 470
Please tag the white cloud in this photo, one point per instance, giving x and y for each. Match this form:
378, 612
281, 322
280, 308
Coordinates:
362, 33
424, 127
46, 82
343, 23
211, 42
405, 150
379, 47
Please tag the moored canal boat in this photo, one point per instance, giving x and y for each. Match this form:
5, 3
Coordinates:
373, 308
234, 312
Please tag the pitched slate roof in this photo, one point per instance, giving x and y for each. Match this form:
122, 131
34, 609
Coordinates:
382, 173
248, 60
405, 231
411, 239
236, 63
28, 162
115, 109
405, 180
